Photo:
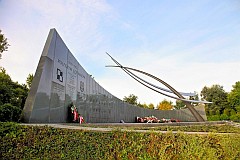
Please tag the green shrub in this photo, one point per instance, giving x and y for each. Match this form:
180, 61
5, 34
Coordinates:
233, 112
235, 117
9, 112
213, 118
9, 127
198, 128
224, 117
27, 142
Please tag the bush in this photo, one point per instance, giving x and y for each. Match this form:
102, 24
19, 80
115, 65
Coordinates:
235, 117
27, 142
9, 127
9, 112
224, 117
213, 118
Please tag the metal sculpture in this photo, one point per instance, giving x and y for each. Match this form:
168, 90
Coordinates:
180, 95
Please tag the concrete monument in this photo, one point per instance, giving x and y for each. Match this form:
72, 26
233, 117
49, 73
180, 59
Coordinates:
60, 80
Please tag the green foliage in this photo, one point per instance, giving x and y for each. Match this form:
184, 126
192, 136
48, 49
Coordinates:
12, 97
235, 117
232, 117
227, 111
151, 106
9, 113
144, 105
234, 96
224, 105
29, 80
237, 108
217, 95
179, 104
5, 87
224, 128
3, 43
22, 142
11, 92
213, 118
217, 112
232, 112
131, 99
20, 93
7, 128
224, 117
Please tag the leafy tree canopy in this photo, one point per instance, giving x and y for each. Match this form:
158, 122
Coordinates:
234, 97
217, 95
11, 92
29, 80
144, 105
151, 106
131, 99
3, 43
179, 104
165, 105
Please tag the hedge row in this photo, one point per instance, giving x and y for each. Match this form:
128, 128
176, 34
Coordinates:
223, 128
26, 142
235, 117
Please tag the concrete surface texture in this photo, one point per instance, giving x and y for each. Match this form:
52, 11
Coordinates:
60, 80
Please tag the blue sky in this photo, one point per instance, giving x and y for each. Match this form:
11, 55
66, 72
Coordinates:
189, 44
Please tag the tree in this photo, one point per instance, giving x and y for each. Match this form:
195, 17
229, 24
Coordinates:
12, 97
29, 80
8, 112
3, 44
234, 97
11, 92
142, 105
217, 95
20, 93
179, 104
131, 99
151, 106
195, 97
165, 105
5, 87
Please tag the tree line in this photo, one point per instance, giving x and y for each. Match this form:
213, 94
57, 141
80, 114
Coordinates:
225, 106
12, 96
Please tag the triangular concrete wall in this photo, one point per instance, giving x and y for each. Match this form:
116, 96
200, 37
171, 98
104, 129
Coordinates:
60, 80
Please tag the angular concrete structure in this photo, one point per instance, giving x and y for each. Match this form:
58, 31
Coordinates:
60, 80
